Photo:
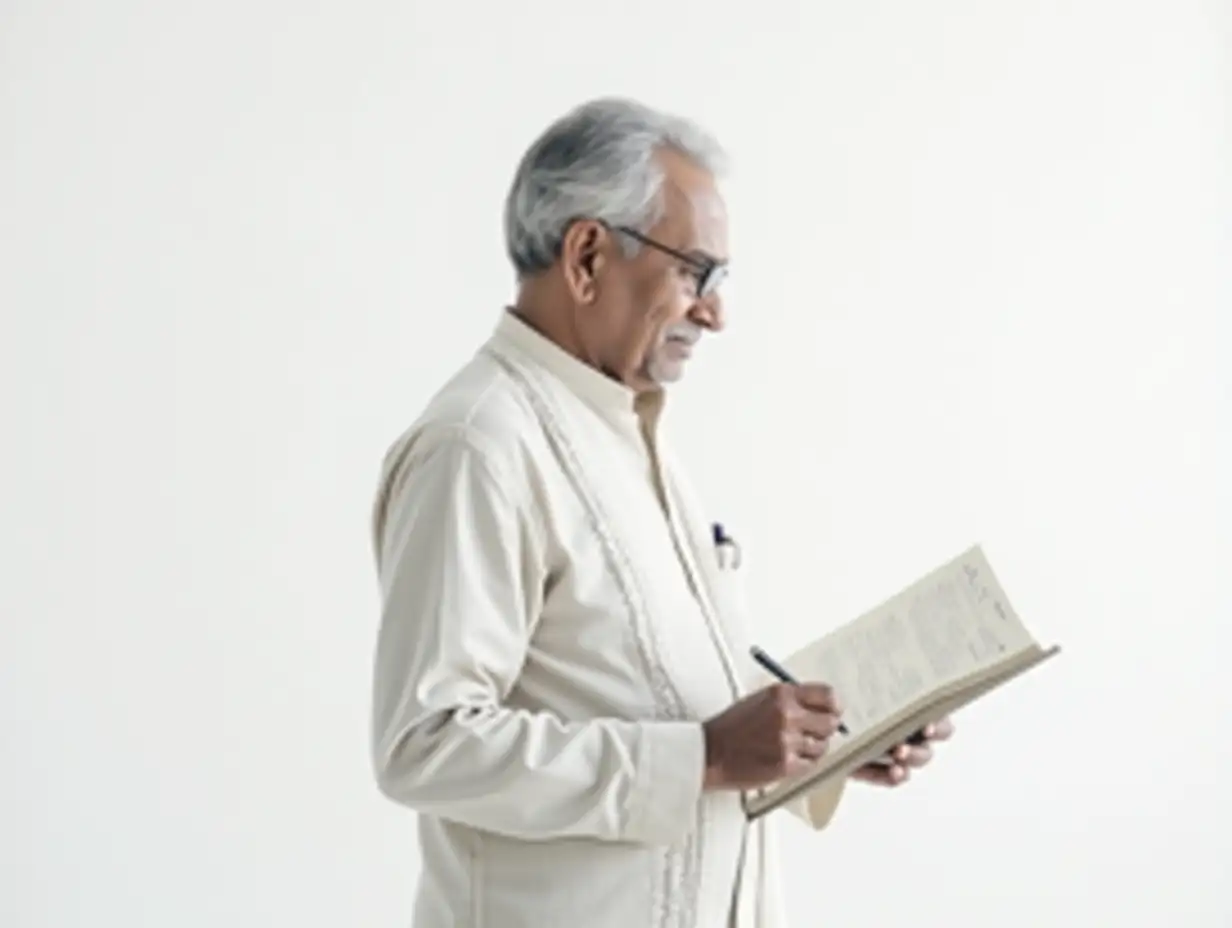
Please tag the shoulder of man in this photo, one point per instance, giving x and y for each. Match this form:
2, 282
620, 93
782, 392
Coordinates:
478, 411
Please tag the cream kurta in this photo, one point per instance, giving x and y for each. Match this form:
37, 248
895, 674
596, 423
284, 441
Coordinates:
555, 627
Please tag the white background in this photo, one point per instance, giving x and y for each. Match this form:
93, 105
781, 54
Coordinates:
974, 298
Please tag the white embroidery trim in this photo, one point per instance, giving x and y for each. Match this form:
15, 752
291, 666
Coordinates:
680, 867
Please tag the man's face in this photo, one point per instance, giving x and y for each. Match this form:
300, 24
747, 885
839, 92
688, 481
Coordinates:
646, 316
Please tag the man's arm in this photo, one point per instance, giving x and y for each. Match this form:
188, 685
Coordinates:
461, 578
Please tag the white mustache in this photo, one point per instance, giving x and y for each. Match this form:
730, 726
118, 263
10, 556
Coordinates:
686, 332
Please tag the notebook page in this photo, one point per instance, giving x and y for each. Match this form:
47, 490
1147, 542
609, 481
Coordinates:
955, 621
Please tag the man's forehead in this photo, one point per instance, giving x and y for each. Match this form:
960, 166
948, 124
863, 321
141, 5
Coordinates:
695, 216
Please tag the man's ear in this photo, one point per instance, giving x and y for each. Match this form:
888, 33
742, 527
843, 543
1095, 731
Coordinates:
582, 259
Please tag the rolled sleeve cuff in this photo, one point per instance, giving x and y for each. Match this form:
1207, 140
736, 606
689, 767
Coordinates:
668, 782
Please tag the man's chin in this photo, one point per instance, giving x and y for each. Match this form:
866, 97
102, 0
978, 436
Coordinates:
666, 372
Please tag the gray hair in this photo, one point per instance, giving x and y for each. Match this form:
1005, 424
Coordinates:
598, 161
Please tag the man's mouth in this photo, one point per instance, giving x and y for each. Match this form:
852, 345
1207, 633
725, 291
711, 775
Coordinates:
680, 347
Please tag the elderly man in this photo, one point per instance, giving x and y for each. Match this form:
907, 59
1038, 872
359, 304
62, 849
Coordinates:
562, 683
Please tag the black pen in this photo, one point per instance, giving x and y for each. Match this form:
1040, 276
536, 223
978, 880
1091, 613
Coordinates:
782, 673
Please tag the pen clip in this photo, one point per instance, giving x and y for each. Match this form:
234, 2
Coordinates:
725, 548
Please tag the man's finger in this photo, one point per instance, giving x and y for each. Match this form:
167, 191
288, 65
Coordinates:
940, 730
909, 755
881, 774
817, 724
810, 747
819, 697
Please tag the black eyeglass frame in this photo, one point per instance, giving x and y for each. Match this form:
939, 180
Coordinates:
710, 273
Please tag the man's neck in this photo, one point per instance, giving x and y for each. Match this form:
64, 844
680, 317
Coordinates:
555, 323
551, 326
546, 311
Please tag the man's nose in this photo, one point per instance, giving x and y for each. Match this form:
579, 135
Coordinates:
708, 312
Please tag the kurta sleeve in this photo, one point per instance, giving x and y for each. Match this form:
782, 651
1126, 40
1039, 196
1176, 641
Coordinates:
461, 578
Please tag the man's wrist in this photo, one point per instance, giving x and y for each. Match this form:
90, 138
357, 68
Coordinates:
712, 771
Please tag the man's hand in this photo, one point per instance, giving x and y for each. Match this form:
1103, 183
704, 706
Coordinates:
897, 767
774, 733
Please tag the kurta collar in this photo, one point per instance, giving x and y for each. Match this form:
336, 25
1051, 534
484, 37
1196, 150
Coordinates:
607, 396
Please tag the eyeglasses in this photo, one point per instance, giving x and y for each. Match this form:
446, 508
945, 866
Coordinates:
708, 272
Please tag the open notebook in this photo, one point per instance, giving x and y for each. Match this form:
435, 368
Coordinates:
940, 644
